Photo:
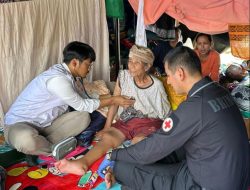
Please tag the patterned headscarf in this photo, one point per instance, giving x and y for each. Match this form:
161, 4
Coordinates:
143, 54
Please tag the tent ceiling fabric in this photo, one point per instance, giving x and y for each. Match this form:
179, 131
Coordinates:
211, 16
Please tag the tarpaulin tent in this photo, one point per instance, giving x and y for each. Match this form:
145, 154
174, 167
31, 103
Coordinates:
211, 16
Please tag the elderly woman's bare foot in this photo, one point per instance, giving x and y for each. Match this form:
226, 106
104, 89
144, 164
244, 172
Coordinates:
77, 167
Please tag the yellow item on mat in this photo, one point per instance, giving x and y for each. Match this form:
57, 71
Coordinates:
38, 174
17, 171
174, 99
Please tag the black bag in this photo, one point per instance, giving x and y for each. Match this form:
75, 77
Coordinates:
2, 178
97, 123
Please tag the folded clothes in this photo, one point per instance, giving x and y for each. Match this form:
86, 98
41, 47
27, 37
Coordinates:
131, 113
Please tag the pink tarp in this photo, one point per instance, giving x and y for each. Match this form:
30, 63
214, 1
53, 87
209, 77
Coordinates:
211, 16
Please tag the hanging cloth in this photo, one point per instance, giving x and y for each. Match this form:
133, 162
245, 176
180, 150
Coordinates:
239, 35
210, 17
140, 38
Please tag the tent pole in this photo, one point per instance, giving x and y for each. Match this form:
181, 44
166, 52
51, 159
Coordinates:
117, 47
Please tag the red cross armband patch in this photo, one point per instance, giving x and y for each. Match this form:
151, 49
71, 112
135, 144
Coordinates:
167, 124
170, 124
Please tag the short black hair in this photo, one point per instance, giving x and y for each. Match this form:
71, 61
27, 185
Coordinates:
183, 57
78, 50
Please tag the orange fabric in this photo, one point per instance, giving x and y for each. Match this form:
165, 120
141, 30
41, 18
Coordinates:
211, 16
210, 67
239, 35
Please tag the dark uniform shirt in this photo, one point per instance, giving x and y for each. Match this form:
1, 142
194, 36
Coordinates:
210, 128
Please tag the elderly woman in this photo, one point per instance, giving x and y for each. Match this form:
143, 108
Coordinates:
134, 123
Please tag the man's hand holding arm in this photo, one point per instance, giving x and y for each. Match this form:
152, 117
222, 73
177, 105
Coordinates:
116, 100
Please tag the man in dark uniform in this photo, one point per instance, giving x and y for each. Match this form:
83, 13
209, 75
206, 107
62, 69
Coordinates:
208, 125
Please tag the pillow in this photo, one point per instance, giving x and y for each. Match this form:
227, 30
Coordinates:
100, 88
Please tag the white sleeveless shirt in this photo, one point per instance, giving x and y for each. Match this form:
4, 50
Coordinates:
152, 101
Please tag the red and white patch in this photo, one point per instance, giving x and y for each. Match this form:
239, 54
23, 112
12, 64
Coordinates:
167, 124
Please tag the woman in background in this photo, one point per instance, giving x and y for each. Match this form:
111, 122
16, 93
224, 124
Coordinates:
210, 58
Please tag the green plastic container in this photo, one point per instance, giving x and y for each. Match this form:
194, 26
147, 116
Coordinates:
115, 8
245, 114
